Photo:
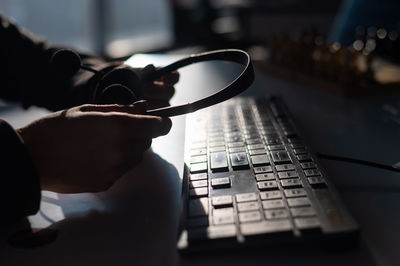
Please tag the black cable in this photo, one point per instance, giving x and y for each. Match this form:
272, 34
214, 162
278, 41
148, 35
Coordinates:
357, 161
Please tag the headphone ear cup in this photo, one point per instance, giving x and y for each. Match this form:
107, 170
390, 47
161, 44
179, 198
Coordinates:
64, 63
117, 94
123, 76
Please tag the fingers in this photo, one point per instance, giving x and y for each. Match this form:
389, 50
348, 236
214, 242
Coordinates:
124, 124
139, 107
150, 126
170, 79
148, 69
158, 91
161, 89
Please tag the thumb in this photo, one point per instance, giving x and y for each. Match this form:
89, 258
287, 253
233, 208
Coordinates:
148, 69
138, 107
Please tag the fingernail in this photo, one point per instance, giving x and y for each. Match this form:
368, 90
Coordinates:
140, 103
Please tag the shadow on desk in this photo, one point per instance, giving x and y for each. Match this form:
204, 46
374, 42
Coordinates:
134, 223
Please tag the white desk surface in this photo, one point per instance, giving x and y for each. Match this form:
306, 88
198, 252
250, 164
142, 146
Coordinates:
135, 222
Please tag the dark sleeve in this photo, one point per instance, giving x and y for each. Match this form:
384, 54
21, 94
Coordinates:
20, 185
27, 77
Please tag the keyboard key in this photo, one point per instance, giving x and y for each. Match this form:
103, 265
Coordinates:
297, 145
246, 217
217, 134
217, 148
198, 183
288, 174
220, 182
264, 169
266, 195
239, 160
212, 232
198, 159
219, 201
287, 183
302, 211
294, 140
244, 197
223, 219
248, 206
280, 157
252, 130
198, 192
265, 177
198, 167
258, 151
252, 135
307, 223
199, 145
235, 138
225, 231
223, 211
235, 144
266, 130
265, 227
289, 132
201, 176
218, 161
271, 137
237, 149
254, 141
257, 160
276, 147
297, 202
267, 185
276, 214
256, 146
316, 181
216, 138
223, 216
198, 207
284, 167
295, 192
275, 141
217, 143
308, 165
304, 157
273, 204
300, 151
198, 152
312, 172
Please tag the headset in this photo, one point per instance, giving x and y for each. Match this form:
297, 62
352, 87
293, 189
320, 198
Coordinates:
117, 83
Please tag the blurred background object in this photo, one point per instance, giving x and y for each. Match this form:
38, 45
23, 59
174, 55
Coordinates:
117, 28
111, 28
353, 36
363, 14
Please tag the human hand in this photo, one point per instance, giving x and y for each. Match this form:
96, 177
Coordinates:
87, 148
159, 92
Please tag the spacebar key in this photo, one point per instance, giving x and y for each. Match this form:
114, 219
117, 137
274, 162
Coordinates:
266, 227
218, 161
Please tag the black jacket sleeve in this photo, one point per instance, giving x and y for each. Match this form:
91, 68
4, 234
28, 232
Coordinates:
20, 185
25, 77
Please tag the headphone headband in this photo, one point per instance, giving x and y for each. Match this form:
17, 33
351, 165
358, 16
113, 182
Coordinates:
240, 84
